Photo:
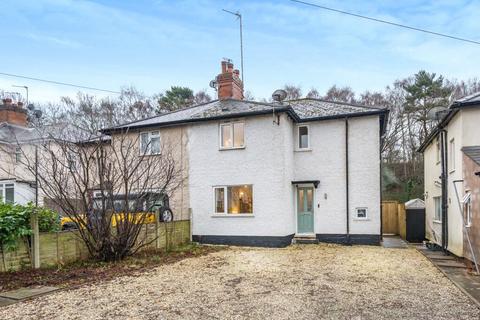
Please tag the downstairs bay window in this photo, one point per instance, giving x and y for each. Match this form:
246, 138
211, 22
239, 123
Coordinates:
233, 200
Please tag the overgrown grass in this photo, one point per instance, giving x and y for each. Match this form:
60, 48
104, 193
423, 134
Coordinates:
91, 271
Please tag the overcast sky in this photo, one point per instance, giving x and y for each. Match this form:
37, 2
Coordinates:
155, 44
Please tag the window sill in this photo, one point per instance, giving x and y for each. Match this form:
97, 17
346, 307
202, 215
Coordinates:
232, 215
235, 148
303, 150
437, 221
452, 171
361, 219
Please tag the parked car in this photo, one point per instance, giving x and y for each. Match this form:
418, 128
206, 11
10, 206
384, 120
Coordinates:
137, 205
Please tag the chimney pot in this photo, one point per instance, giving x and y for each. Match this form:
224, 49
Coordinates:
7, 101
229, 84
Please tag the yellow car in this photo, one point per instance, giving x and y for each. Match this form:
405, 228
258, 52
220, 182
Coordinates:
139, 206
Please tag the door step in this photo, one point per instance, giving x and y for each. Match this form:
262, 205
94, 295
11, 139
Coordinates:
305, 240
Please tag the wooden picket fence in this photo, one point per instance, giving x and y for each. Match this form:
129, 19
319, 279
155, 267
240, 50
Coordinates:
393, 218
56, 248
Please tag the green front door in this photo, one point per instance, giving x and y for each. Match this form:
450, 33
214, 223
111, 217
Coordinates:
305, 210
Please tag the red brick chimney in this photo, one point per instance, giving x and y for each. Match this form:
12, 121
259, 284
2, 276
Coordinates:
229, 84
13, 113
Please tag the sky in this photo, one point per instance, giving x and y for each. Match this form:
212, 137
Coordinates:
153, 45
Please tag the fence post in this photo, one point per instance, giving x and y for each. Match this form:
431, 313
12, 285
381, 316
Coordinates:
190, 213
157, 224
35, 240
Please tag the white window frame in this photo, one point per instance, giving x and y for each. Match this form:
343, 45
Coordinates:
18, 155
225, 202
149, 134
467, 208
356, 217
298, 137
230, 124
435, 209
4, 191
451, 160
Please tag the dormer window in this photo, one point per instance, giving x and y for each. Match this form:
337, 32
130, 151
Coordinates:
303, 137
232, 135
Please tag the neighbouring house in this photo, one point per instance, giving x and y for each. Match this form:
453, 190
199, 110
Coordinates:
262, 173
16, 184
449, 160
471, 199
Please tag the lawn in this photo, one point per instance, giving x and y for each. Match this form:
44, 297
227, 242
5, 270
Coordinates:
298, 282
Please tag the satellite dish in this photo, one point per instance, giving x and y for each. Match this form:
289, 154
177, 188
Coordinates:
437, 113
37, 113
31, 107
279, 95
213, 84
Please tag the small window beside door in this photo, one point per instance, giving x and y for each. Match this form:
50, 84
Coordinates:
361, 214
438, 209
303, 137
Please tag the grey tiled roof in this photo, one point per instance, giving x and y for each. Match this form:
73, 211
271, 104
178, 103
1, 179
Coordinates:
316, 108
473, 153
10, 133
302, 109
470, 99
13, 134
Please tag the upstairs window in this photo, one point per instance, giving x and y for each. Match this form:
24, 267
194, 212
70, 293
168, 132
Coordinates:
303, 137
232, 135
452, 155
467, 208
18, 155
7, 193
150, 143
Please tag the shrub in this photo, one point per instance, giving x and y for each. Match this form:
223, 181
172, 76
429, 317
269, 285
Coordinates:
15, 222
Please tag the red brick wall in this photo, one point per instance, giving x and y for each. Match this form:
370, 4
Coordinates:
472, 183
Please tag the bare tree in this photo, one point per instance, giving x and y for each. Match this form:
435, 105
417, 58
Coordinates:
293, 92
107, 186
313, 93
344, 94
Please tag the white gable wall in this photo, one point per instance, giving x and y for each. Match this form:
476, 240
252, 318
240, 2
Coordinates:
326, 162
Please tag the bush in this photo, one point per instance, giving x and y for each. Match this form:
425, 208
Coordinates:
15, 222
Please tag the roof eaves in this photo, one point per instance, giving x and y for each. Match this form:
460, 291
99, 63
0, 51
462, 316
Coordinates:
346, 115
195, 120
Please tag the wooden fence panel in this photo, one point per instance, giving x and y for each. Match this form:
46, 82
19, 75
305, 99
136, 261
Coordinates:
65, 246
390, 217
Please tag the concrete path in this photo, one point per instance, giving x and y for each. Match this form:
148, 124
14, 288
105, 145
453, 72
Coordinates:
454, 269
21, 294
394, 242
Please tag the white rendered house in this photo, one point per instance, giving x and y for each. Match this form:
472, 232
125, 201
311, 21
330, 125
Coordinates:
444, 163
262, 173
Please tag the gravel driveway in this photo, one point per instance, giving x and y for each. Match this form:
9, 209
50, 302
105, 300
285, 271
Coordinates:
298, 282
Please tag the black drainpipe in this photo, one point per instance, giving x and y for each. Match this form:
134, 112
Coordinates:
347, 182
444, 179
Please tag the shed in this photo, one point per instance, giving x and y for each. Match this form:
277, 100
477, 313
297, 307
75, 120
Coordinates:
415, 220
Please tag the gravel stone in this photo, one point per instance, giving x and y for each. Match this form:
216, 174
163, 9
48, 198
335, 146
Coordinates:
298, 282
